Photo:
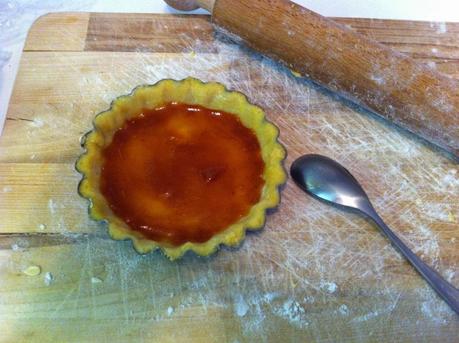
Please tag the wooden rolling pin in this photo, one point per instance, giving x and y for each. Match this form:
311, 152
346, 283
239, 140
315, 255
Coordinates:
408, 93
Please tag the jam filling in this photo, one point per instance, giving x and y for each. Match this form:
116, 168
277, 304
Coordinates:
182, 173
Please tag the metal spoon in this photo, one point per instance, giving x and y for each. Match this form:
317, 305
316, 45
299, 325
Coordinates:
327, 180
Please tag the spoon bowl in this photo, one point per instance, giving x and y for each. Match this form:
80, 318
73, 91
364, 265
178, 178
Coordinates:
327, 180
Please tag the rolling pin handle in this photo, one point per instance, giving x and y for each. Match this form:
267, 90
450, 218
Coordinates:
190, 5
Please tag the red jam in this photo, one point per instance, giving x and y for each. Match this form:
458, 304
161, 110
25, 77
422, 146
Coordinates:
182, 173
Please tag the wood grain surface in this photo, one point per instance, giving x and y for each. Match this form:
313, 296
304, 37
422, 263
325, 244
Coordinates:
314, 273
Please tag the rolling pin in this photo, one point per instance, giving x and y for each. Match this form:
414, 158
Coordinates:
388, 83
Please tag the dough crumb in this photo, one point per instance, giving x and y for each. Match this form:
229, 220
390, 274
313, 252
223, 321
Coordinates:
32, 271
295, 73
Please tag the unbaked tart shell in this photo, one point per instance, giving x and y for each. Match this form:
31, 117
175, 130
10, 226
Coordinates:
194, 92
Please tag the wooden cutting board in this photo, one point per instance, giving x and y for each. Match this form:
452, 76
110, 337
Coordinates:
314, 273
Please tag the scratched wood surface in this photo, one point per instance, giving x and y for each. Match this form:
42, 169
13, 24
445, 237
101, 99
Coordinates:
313, 274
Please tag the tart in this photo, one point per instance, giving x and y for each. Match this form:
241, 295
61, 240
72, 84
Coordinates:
181, 165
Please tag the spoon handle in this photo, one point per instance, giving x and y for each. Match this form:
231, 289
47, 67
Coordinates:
444, 289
